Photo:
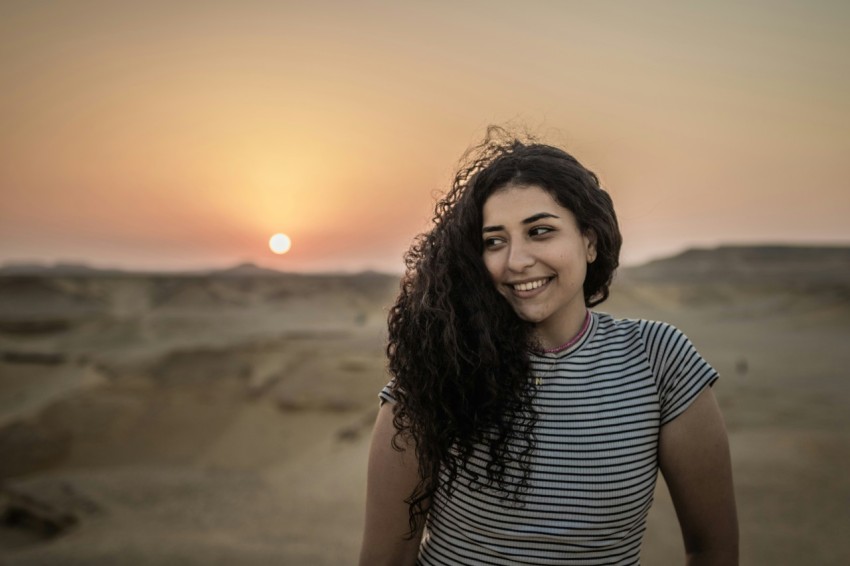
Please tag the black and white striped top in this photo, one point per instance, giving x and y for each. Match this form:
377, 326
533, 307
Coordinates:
601, 404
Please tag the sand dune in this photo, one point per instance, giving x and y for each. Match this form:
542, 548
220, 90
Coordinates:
224, 417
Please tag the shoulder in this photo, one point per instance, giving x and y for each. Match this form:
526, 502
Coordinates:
650, 332
662, 338
613, 336
658, 339
610, 327
658, 334
389, 393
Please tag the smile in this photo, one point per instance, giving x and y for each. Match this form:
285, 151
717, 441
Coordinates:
530, 285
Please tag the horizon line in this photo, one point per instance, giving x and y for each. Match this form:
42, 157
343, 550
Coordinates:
26, 264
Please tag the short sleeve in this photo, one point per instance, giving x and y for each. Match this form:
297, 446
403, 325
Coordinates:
387, 394
681, 374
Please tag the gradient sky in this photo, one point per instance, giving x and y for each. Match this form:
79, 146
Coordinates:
183, 134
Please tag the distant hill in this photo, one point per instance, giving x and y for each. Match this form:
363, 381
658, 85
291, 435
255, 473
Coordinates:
781, 265
61, 269
767, 264
70, 293
247, 269
239, 271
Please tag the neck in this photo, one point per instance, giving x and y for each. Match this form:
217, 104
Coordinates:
574, 333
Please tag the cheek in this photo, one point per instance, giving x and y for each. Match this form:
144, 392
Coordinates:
583, 277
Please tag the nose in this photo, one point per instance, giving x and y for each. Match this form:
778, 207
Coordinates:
519, 257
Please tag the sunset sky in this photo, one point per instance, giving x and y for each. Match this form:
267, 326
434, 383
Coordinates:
172, 135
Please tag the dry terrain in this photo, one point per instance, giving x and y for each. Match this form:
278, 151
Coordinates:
224, 418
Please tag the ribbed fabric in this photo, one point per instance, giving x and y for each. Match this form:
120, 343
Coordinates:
601, 405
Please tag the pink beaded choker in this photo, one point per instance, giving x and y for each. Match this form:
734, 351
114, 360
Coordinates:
574, 339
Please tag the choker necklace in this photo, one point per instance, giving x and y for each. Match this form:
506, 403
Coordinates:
572, 340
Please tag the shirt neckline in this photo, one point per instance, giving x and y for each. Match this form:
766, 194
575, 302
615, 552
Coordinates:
578, 345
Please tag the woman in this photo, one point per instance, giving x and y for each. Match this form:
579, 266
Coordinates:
519, 427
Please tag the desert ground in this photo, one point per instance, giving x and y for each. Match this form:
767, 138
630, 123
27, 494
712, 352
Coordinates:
224, 418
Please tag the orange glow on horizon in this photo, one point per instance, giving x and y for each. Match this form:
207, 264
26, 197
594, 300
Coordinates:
185, 135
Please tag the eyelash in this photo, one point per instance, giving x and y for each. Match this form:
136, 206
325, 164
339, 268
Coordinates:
544, 230
534, 232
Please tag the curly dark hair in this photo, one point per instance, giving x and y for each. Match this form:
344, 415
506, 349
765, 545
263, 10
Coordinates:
457, 352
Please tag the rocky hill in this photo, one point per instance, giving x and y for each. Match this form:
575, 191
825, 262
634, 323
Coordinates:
771, 265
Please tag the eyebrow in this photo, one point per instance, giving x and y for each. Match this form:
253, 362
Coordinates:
531, 219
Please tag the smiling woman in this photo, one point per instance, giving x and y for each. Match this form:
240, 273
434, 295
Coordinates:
519, 426
280, 243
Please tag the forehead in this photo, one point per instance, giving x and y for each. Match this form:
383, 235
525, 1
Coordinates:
519, 202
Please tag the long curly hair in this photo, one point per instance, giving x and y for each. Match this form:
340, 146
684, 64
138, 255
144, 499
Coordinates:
457, 352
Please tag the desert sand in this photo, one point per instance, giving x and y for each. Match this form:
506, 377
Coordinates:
221, 418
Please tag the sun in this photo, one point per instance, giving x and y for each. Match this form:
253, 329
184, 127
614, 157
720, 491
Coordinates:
280, 243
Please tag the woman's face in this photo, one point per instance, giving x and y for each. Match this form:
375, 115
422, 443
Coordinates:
537, 257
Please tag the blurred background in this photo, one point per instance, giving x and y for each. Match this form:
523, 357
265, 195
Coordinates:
172, 390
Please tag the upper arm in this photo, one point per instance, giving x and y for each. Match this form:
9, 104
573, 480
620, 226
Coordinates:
694, 458
392, 477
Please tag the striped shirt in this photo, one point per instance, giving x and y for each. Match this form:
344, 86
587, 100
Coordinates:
600, 404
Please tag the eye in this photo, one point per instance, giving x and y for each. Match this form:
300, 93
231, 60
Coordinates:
490, 243
540, 231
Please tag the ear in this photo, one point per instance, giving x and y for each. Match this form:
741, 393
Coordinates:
590, 245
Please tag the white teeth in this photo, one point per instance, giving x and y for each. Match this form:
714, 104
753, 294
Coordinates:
530, 285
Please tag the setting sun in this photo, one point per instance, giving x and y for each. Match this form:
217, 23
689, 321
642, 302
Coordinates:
280, 243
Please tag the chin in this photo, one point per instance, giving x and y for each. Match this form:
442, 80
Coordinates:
531, 317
